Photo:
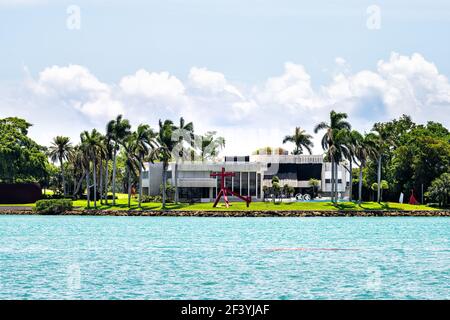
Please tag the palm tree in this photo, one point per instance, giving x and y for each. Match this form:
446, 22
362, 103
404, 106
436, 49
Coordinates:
353, 138
333, 143
77, 165
163, 152
132, 164
144, 140
108, 146
119, 131
301, 140
184, 129
365, 148
385, 142
60, 150
102, 155
91, 143
208, 145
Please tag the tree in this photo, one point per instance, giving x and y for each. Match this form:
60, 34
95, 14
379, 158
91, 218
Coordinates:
91, 143
183, 131
265, 191
76, 167
60, 150
21, 159
163, 152
276, 188
364, 148
132, 151
384, 186
119, 130
439, 191
301, 140
333, 143
314, 183
286, 189
208, 146
109, 153
144, 141
385, 142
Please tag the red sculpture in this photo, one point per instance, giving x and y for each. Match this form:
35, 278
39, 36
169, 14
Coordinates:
225, 191
412, 199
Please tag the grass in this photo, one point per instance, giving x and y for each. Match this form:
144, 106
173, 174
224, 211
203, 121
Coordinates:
122, 204
17, 205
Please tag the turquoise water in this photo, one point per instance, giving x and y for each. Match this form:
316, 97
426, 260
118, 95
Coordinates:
224, 258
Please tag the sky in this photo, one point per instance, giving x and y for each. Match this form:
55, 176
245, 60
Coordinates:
252, 70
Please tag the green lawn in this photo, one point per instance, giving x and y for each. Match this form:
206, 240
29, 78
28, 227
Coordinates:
17, 205
121, 204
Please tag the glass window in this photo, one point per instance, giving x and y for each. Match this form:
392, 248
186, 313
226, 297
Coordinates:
252, 184
258, 178
244, 183
228, 182
236, 184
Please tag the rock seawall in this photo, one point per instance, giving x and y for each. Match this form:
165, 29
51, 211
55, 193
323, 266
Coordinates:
296, 213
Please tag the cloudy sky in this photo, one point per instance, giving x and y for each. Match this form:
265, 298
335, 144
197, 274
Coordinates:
251, 70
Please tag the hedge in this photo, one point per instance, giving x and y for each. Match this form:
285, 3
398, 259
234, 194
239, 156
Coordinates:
53, 206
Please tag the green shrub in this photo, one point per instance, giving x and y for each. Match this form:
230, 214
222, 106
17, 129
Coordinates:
147, 198
53, 206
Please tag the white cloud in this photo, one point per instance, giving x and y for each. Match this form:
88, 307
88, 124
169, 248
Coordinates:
248, 117
149, 85
76, 86
214, 82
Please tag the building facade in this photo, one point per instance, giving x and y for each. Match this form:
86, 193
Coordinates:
251, 174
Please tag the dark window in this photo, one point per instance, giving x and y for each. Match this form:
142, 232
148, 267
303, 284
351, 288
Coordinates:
244, 183
236, 182
297, 171
193, 193
258, 178
252, 184
228, 182
237, 159
327, 180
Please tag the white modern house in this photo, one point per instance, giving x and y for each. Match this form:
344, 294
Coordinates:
251, 174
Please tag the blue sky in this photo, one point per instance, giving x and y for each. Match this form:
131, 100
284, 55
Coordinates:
246, 42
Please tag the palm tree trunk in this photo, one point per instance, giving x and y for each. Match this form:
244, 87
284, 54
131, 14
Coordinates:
140, 182
88, 193
80, 182
62, 176
95, 183
332, 180
379, 180
114, 175
106, 180
350, 197
360, 184
129, 187
176, 182
336, 180
164, 185
101, 180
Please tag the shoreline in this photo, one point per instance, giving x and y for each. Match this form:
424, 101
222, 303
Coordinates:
274, 213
